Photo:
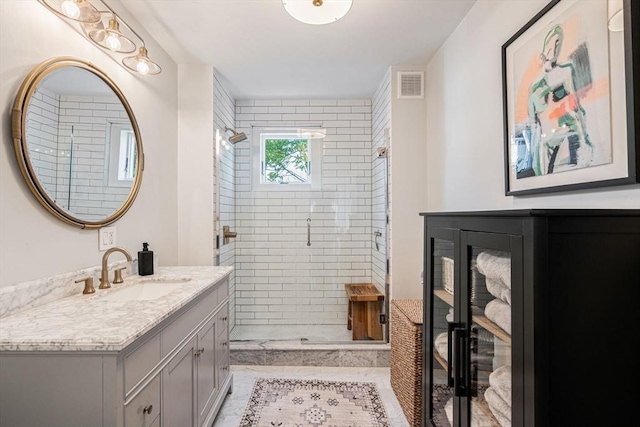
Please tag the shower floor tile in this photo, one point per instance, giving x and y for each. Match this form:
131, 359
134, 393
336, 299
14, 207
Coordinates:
243, 378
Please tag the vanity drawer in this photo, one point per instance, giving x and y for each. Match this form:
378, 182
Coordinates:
144, 409
223, 290
140, 361
185, 324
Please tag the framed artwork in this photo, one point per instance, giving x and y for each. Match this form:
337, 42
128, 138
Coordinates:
571, 94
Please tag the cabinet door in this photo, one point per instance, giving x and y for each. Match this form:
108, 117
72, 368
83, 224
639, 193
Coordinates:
473, 306
490, 295
441, 283
178, 391
206, 365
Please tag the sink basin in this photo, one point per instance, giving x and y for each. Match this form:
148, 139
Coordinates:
146, 289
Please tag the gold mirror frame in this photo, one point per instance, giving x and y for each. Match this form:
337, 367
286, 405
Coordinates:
18, 125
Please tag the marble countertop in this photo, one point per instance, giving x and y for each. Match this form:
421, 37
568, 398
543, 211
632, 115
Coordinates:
90, 323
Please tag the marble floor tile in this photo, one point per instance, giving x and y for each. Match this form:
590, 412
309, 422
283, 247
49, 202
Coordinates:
312, 333
244, 376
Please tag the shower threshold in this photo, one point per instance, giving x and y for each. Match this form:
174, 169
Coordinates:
287, 349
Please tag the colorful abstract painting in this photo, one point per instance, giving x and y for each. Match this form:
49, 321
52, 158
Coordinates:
568, 84
561, 106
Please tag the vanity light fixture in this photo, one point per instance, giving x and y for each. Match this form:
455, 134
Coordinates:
102, 26
141, 63
111, 38
317, 12
76, 10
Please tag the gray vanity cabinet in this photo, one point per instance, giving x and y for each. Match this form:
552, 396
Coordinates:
175, 375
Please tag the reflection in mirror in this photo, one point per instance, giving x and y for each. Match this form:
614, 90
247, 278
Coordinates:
77, 143
81, 143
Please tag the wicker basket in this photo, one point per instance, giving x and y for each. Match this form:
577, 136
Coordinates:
406, 357
447, 276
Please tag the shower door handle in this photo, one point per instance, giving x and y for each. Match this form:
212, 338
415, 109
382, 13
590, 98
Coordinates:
227, 234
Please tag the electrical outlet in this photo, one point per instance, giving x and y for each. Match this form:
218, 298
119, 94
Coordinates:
106, 238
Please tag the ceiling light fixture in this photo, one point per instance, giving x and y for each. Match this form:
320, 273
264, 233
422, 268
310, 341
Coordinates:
88, 17
317, 12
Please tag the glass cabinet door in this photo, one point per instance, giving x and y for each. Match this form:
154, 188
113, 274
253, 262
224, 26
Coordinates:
442, 293
487, 292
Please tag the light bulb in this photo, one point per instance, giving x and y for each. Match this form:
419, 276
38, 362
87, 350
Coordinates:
142, 66
113, 42
71, 9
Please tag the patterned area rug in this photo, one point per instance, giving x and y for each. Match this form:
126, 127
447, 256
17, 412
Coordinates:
278, 402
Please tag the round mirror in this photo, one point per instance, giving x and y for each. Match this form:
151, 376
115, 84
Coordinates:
77, 143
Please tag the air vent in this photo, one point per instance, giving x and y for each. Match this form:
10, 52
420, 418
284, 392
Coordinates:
410, 84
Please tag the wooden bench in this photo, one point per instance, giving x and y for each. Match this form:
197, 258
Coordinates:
364, 311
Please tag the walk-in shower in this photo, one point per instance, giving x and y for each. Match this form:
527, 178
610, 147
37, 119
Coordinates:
299, 243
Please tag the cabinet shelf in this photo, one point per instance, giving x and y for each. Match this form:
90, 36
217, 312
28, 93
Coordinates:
440, 360
478, 319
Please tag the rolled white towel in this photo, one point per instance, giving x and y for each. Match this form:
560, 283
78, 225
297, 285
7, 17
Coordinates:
449, 315
499, 312
498, 290
495, 265
441, 345
500, 409
500, 381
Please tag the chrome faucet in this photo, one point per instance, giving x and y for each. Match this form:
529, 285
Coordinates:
104, 275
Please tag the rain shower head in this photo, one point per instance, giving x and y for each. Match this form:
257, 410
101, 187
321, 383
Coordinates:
236, 137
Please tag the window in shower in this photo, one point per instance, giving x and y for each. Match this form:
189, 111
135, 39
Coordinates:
286, 159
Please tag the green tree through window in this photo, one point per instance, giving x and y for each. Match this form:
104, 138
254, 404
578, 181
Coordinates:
286, 161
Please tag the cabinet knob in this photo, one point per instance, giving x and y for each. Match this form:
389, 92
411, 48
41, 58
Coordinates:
147, 409
225, 368
224, 343
201, 350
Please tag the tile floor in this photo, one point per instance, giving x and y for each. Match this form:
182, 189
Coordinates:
243, 377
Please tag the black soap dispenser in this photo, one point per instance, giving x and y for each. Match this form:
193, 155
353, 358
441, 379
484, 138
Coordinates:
145, 260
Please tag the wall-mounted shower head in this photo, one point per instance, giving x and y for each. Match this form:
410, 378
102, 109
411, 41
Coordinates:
236, 137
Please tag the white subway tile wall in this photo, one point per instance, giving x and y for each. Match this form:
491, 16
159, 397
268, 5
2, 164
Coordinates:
381, 120
79, 175
224, 112
279, 279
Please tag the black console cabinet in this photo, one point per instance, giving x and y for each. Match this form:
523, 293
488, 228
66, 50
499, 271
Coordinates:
531, 318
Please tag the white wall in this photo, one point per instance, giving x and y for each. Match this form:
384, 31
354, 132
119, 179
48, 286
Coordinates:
408, 188
196, 144
34, 244
465, 139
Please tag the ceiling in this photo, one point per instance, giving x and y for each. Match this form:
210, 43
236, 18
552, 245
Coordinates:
262, 52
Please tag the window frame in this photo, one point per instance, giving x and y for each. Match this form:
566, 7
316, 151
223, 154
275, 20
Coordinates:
259, 134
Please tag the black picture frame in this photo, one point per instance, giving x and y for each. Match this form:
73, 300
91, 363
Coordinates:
631, 39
